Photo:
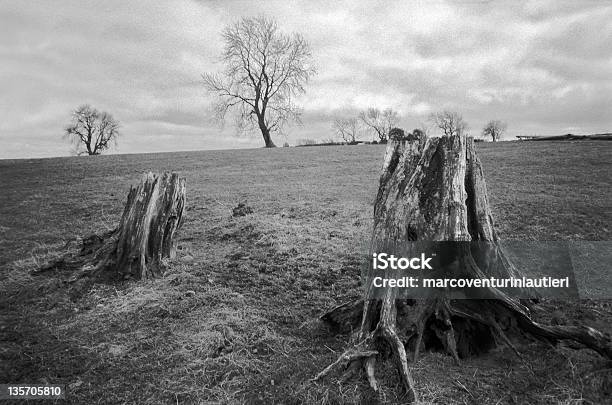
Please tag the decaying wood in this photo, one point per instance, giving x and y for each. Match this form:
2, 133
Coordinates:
434, 190
144, 238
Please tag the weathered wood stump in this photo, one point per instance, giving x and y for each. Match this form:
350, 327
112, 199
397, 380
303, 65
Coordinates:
434, 190
144, 238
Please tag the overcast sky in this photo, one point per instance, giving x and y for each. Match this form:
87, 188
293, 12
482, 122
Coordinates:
545, 67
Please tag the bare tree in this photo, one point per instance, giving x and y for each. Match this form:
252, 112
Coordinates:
495, 129
265, 70
380, 122
91, 131
346, 128
449, 122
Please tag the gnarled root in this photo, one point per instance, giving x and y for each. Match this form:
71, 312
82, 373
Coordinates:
460, 327
367, 349
356, 353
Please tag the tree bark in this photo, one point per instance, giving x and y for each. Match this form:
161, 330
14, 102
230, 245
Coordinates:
433, 190
145, 237
265, 132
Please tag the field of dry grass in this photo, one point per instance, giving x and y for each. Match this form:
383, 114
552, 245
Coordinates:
235, 318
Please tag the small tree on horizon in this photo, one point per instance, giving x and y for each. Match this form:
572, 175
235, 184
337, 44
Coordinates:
449, 122
346, 128
495, 129
380, 122
91, 131
265, 70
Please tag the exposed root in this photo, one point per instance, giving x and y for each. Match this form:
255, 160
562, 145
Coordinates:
402, 363
370, 365
502, 335
420, 329
451, 344
386, 331
589, 337
352, 368
345, 359
445, 333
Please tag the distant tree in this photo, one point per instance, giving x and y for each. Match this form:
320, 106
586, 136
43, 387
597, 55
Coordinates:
449, 122
380, 122
346, 128
495, 129
265, 70
91, 131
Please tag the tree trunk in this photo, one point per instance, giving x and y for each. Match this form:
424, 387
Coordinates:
265, 132
144, 238
433, 191
267, 138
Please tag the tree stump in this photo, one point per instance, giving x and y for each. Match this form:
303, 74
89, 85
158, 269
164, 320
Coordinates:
434, 190
144, 238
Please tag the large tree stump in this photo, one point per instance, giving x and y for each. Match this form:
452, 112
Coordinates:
434, 190
144, 238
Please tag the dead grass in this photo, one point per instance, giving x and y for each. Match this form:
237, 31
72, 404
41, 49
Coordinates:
234, 320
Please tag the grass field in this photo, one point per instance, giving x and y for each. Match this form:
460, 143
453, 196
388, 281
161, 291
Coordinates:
235, 318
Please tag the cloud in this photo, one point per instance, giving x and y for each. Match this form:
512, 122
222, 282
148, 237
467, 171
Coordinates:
543, 66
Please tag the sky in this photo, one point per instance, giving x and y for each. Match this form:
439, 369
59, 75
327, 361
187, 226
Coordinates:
544, 67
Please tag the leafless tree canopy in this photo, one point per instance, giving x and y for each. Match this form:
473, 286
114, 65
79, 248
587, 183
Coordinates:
265, 70
380, 122
346, 128
449, 122
92, 131
495, 129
